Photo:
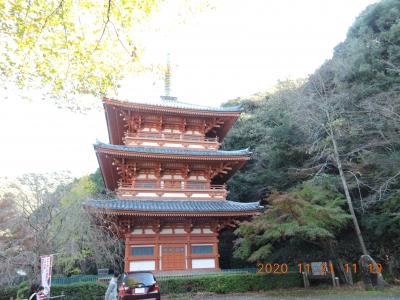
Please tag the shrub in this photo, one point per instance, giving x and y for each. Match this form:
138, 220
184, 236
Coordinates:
7, 293
82, 290
15, 292
22, 290
230, 283
74, 291
234, 283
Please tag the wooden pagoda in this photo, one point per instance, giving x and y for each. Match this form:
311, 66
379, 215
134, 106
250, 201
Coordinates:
169, 177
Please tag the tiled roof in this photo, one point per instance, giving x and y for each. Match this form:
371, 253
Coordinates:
184, 105
171, 150
175, 205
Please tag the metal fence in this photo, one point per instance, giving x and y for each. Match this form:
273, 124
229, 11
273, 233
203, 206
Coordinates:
60, 297
159, 275
194, 273
78, 278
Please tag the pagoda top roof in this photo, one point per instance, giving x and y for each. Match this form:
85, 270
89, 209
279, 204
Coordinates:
175, 207
171, 151
170, 102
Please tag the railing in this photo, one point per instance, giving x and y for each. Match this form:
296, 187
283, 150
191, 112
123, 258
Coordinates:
194, 273
160, 275
208, 192
175, 185
171, 136
62, 297
78, 278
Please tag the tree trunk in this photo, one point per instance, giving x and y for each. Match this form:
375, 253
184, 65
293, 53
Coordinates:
346, 191
365, 257
344, 276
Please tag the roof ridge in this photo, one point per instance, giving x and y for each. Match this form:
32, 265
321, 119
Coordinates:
176, 200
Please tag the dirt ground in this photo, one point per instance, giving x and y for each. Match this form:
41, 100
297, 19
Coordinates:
314, 294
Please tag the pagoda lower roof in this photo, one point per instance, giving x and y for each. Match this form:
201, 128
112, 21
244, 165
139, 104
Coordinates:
126, 150
175, 207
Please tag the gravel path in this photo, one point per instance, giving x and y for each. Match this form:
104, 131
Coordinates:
258, 297
246, 297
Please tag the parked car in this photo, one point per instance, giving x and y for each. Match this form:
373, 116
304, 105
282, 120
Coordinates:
138, 285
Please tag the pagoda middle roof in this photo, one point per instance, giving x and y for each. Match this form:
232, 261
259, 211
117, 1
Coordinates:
133, 206
171, 151
172, 104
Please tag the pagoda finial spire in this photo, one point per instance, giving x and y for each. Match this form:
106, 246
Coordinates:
167, 82
167, 79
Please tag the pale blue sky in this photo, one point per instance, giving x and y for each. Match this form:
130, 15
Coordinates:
240, 48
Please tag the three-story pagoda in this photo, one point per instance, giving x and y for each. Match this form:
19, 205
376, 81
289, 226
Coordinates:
164, 165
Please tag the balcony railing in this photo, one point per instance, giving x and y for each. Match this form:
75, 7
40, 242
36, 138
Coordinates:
160, 191
172, 185
171, 136
171, 140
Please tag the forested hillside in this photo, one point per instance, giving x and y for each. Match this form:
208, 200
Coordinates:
344, 117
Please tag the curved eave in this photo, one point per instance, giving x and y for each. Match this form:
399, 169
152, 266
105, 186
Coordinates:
176, 154
179, 108
181, 208
174, 214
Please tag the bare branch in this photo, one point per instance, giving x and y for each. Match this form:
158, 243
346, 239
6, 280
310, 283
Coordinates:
108, 15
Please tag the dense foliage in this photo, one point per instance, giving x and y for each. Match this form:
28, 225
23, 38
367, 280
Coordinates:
344, 116
237, 283
70, 46
311, 212
66, 48
75, 291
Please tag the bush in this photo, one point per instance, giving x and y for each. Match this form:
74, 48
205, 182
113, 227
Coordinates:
235, 283
15, 291
22, 290
74, 291
230, 283
7, 293
82, 290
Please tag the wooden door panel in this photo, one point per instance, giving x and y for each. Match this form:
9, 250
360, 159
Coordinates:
173, 258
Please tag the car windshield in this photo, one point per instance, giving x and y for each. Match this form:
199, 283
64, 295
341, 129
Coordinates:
139, 279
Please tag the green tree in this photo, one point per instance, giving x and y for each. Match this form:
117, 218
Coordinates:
67, 48
71, 46
275, 139
312, 212
97, 179
367, 62
85, 242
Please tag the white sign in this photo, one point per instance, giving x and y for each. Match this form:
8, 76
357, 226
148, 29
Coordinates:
46, 263
317, 268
